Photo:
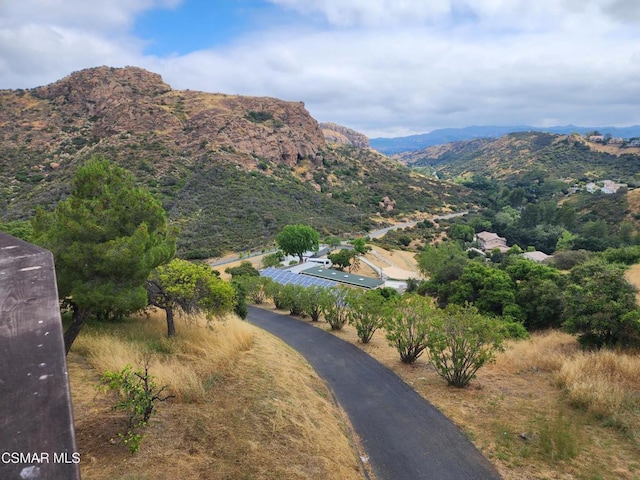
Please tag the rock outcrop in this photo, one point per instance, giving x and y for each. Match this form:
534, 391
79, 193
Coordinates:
102, 104
334, 133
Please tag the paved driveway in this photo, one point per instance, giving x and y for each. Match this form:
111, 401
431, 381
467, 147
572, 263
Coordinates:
404, 436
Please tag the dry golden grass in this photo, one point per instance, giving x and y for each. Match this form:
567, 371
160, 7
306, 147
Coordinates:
633, 200
180, 362
612, 149
607, 384
633, 276
247, 407
544, 351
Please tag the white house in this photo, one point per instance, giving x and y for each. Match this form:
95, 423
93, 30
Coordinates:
536, 256
488, 241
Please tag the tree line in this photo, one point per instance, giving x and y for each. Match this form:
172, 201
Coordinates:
591, 298
458, 340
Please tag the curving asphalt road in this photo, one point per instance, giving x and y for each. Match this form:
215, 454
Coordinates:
404, 436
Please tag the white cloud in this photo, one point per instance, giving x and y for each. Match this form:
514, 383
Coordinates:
44, 40
371, 12
381, 66
95, 15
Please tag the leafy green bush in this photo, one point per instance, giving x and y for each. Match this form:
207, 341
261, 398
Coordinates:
292, 299
137, 395
257, 288
460, 341
274, 290
407, 325
600, 306
258, 117
568, 259
624, 255
272, 259
366, 312
240, 308
244, 269
313, 298
335, 308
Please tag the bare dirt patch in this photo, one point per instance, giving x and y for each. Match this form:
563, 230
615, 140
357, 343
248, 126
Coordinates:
396, 264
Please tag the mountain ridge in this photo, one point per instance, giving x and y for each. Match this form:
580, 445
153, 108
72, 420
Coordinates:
230, 170
525, 157
393, 145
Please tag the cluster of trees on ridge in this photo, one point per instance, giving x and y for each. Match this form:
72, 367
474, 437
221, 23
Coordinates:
593, 300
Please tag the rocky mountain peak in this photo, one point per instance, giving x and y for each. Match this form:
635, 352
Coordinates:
95, 86
116, 105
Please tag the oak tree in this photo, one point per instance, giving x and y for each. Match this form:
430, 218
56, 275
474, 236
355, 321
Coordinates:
188, 287
298, 239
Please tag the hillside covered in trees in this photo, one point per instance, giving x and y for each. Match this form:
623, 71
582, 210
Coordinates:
527, 157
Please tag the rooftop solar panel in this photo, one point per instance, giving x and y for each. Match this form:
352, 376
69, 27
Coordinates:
285, 277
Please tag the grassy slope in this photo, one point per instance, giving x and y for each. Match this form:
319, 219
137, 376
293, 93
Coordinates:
247, 407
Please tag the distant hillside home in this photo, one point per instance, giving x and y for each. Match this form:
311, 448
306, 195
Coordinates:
487, 241
611, 186
596, 138
536, 256
616, 141
608, 187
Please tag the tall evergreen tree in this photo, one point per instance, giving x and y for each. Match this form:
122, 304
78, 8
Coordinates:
106, 237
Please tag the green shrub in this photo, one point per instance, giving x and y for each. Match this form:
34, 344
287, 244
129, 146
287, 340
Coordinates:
258, 117
366, 312
240, 308
244, 269
460, 341
624, 255
514, 330
335, 308
137, 394
256, 288
568, 259
292, 299
313, 298
274, 291
272, 260
600, 306
407, 325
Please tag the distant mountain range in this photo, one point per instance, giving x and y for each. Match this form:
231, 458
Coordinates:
389, 146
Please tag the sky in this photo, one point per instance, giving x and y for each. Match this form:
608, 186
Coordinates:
382, 67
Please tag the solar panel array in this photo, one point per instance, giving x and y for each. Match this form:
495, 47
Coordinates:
284, 277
